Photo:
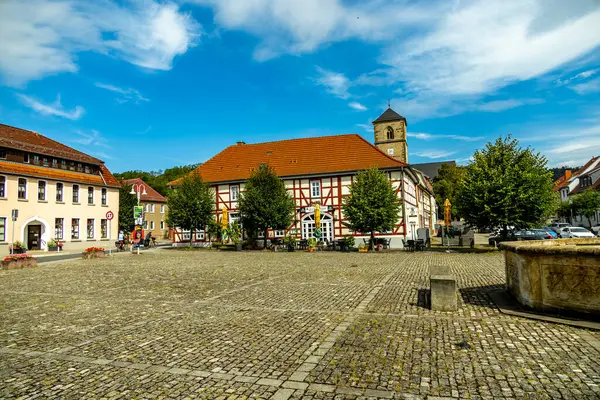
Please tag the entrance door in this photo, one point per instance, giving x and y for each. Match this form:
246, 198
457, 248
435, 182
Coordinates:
33, 237
308, 226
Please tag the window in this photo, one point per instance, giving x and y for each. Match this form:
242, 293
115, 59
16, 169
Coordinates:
54, 163
59, 192
390, 133
103, 195
279, 233
36, 159
79, 167
58, 228
145, 208
75, 193
315, 189
72, 166
162, 225
234, 193
145, 226
151, 225
152, 208
162, 208
26, 158
41, 190
2, 229
103, 228
22, 189
87, 169
63, 164
45, 162
75, 228
90, 228
2, 186
3, 154
90, 195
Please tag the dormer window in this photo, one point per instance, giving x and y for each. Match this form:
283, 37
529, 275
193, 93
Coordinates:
54, 163
36, 159
63, 164
390, 133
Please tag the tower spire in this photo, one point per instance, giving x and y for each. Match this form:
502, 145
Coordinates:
389, 103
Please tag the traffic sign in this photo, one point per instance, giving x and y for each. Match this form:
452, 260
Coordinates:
110, 215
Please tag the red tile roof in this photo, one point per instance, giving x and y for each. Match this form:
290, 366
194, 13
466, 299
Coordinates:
21, 139
151, 194
104, 178
577, 188
296, 157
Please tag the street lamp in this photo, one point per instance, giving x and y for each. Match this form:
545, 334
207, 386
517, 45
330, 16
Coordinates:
412, 223
135, 189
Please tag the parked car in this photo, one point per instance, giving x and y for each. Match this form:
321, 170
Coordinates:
544, 234
550, 231
558, 226
575, 232
595, 229
523, 234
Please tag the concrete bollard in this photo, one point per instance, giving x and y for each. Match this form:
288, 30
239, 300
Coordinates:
443, 293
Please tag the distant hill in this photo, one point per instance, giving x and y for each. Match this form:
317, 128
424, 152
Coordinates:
560, 171
158, 180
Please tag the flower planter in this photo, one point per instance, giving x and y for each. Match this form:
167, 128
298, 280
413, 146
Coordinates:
54, 248
25, 263
18, 251
291, 249
365, 250
311, 249
238, 247
93, 254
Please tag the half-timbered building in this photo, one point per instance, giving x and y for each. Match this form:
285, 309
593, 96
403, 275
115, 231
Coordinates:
319, 170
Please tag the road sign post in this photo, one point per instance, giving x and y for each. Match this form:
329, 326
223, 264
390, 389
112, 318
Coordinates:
109, 217
15, 215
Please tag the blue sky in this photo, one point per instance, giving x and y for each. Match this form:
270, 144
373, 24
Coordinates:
153, 84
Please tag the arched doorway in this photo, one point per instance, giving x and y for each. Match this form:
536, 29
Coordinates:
35, 234
308, 226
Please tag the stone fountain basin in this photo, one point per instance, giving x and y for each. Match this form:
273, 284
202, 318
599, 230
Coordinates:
560, 275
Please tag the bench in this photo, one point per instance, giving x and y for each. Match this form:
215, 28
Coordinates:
443, 289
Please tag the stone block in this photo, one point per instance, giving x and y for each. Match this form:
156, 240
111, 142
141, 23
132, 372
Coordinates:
443, 293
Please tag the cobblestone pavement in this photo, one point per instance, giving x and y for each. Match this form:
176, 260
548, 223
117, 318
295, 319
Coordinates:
225, 325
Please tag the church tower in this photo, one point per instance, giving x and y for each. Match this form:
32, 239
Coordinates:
390, 134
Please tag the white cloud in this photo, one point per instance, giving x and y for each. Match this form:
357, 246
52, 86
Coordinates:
579, 76
302, 26
591, 86
92, 139
335, 83
41, 38
428, 136
502, 105
435, 154
367, 127
128, 94
357, 106
55, 108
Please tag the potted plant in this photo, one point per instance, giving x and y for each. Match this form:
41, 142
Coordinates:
363, 248
16, 261
312, 244
235, 233
348, 243
55, 245
93, 252
17, 248
290, 242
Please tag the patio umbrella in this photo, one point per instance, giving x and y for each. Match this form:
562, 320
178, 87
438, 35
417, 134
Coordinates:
447, 213
225, 224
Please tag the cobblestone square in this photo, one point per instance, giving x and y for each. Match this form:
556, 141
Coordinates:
227, 325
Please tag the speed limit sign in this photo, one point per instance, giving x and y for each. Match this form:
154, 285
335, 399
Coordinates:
110, 215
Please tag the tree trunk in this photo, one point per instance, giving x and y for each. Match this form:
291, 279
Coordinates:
265, 238
589, 221
372, 241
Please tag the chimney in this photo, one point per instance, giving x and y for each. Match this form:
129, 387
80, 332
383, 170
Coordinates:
240, 143
568, 174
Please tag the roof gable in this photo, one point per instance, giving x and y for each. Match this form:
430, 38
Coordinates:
296, 157
151, 194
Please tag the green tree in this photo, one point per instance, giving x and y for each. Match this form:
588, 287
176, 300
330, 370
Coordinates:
126, 203
506, 185
265, 204
158, 180
191, 204
446, 186
564, 209
372, 205
586, 204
